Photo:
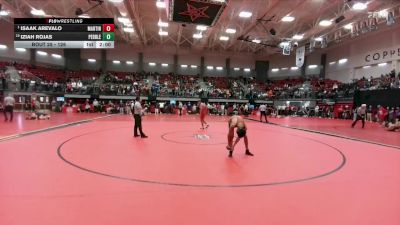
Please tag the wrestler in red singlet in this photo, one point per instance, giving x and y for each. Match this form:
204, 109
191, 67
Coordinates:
203, 113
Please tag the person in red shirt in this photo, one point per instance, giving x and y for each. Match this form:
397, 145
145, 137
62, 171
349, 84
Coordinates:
382, 113
203, 113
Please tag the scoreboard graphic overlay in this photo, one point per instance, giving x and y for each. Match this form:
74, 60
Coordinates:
64, 33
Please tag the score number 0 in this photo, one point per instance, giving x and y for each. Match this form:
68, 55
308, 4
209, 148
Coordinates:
108, 27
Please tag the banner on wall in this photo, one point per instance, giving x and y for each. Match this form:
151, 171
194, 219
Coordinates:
300, 56
383, 55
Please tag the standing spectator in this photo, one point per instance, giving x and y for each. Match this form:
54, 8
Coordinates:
3, 80
369, 113
87, 106
263, 112
194, 109
180, 106
53, 105
316, 111
157, 108
9, 102
96, 105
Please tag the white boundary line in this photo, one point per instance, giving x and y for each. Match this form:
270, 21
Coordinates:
13, 136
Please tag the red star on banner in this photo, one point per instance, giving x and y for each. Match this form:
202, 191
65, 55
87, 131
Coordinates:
194, 12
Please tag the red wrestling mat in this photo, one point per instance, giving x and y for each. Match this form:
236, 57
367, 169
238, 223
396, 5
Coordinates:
97, 173
21, 125
372, 132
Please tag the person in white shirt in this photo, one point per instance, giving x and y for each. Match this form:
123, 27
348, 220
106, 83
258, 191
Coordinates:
194, 109
79, 85
73, 84
360, 115
137, 112
180, 106
9, 102
263, 112
316, 111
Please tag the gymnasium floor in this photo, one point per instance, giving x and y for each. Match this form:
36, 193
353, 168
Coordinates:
95, 172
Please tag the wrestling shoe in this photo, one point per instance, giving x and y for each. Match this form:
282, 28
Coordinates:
249, 153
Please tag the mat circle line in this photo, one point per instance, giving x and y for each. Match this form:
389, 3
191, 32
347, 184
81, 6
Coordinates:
163, 136
340, 166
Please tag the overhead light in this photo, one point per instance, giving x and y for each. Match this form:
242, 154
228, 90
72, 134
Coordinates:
129, 29
312, 66
91, 60
219, 68
3, 46
230, 31
366, 67
152, 64
275, 70
284, 68
162, 24
348, 26
57, 56
201, 27
288, 19
123, 20
116, 61
236, 69
37, 12
197, 36
41, 53
20, 49
359, 6
223, 38
325, 23
4, 13
160, 4
284, 44
245, 14
193, 66
298, 37
163, 33
129, 62
294, 68
256, 41
383, 13
164, 64
116, 1
210, 67
84, 16
246, 69
382, 64
331, 63
318, 39
341, 61
184, 66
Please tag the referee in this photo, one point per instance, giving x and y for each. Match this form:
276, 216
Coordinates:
9, 102
137, 114
360, 115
